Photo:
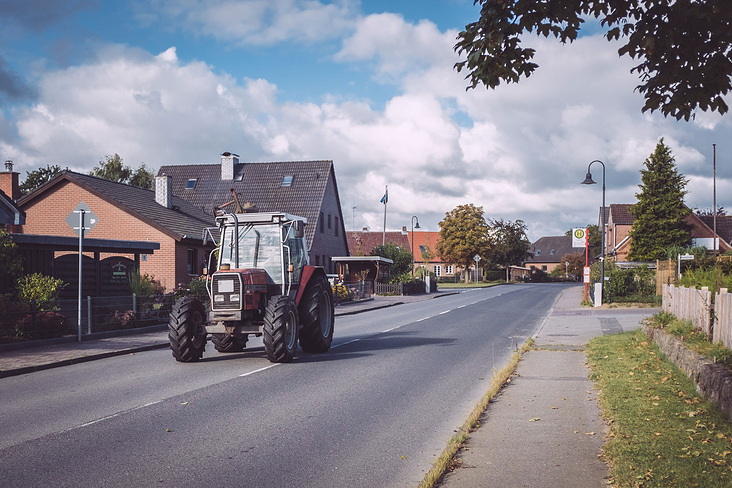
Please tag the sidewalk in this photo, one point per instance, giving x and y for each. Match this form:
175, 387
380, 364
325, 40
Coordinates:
27, 360
544, 429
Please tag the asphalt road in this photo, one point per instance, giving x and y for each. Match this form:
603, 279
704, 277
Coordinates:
374, 411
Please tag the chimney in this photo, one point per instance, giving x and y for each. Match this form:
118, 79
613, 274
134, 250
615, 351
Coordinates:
365, 229
228, 165
164, 191
404, 230
9, 182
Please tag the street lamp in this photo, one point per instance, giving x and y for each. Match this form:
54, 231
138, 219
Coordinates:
414, 217
589, 181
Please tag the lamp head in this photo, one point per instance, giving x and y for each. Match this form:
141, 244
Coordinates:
417, 226
588, 179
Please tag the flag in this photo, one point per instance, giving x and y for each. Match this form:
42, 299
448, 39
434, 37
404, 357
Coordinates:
385, 198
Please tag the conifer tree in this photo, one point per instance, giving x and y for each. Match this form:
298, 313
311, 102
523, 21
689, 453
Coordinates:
660, 212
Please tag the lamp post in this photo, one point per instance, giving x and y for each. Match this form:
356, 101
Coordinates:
414, 217
590, 181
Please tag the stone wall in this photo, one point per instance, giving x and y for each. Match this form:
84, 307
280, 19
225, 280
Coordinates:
713, 381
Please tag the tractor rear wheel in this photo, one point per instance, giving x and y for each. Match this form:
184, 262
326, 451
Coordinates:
280, 329
186, 330
228, 343
316, 316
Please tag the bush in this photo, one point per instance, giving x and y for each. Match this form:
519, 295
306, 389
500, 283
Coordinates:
42, 325
119, 321
145, 285
494, 274
196, 287
39, 289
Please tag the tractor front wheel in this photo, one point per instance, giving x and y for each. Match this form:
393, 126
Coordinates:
317, 316
280, 329
186, 329
228, 343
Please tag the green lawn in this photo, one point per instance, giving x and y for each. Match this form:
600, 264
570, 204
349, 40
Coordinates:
661, 432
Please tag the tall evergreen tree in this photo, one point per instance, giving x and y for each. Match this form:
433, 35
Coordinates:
660, 212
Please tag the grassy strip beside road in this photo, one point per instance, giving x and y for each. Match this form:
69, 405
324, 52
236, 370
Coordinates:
661, 432
445, 460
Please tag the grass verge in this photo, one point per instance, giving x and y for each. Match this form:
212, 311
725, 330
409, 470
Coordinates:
661, 432
445, 460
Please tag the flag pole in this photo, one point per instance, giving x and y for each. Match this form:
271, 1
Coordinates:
385, 200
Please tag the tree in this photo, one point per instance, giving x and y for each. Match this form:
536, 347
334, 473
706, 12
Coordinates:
111, 168
684, 47
402, 260
463, 234
11, 264
660, 212
38, 177
142, 178
508, 242
576, 264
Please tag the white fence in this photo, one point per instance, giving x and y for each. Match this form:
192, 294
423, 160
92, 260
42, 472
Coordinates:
715, 320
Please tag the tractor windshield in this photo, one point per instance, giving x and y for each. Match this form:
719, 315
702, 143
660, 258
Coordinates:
260, 246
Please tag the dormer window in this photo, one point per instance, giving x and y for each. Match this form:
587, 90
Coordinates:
287, 181
551, 252
538, 251
191, 184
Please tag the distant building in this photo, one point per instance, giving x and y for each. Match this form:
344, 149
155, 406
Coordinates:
546, 253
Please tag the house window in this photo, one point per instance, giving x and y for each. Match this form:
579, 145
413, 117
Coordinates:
329, 226
543, 268
336, 226
322, 223
317, 260
438, 270
448, 269
287, 181
551, 252
538, 251
191, 184
192, 258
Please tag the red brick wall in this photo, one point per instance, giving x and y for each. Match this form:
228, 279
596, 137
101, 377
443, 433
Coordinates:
47, 216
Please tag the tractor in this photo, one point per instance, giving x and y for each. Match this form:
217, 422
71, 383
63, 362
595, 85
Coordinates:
264, 286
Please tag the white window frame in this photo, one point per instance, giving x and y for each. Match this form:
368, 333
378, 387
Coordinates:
438, 270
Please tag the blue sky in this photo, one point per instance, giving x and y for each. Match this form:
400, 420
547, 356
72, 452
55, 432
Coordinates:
368, 84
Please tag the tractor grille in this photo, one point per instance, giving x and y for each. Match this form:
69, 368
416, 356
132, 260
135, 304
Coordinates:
226, 291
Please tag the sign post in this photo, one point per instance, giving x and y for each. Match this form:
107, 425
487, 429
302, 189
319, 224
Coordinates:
476, 258
580, 238
86, 221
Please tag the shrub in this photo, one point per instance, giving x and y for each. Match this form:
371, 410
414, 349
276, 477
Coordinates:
145, 285
120, 320
39, 289
196, 288
42, 325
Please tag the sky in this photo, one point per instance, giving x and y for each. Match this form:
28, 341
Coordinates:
369, 85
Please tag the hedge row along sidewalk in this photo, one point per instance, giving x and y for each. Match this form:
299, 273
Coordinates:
662, 433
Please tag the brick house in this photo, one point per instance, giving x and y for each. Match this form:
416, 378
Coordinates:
10, 215
303, 188
128, 213
546, 253
425, 254
362, 242
620, 222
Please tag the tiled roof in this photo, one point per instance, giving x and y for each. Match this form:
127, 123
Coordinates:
724, 225
561, 245
182, 221
621, 213
362, 243
259, 184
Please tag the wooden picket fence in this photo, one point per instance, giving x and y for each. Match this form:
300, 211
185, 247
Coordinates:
714, 319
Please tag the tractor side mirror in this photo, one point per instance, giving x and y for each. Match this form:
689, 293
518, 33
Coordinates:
299, 229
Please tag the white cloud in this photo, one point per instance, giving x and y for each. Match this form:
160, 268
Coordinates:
519, 151
255, 22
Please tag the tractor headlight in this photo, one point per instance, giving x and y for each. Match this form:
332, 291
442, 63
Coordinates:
234, 297
219, 298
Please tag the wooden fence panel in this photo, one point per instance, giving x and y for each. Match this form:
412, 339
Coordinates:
665, 274
723, 323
